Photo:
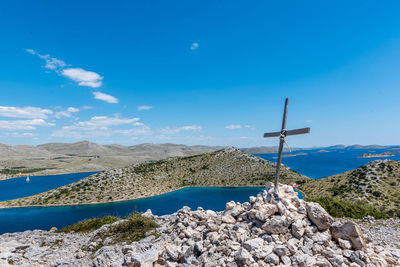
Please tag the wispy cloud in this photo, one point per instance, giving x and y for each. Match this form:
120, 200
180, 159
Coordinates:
308, 121
105, 121
140, 130
87, 107
105, 97
72, 109
17, 135
83, 77
102, 126
194, 46
144, 107
79, 75
233, 127
66, 113
25, 112
23, 124
52, 63
176, 130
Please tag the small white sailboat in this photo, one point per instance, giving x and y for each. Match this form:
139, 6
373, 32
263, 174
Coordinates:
27, 179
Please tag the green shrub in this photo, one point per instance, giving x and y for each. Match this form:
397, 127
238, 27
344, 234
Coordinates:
341, 208
133, 229
88, 226
376, 193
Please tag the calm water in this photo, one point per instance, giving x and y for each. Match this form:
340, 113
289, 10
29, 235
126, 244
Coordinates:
18, 187
21, 219
318, 165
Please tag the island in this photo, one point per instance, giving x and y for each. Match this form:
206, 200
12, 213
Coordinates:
371, 155
225, 167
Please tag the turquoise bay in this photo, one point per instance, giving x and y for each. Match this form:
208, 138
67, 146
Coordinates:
21, 219
19, 187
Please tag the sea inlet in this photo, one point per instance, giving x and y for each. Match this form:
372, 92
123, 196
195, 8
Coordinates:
21, 219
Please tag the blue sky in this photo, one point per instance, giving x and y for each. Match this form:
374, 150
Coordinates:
199, 72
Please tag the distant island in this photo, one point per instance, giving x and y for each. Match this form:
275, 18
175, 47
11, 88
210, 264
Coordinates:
322, 151
380, 155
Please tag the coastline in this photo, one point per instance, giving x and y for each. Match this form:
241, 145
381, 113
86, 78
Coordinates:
45, 174
122, 200
119, 200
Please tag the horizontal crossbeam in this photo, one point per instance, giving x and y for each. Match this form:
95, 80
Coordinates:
273, 134
298, 131
288, 133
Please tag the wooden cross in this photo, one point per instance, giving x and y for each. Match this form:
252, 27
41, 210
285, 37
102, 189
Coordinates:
282, 134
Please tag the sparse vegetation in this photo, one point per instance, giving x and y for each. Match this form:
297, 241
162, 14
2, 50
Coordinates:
228, 167
132, 229
22, 171
341, 208
372, 185
89, 225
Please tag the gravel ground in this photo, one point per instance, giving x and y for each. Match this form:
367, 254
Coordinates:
385, 233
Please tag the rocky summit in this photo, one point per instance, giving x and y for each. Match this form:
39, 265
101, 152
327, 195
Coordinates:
266, 231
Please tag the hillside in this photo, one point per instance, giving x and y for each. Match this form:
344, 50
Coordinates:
227, 167
55, 158
376, 183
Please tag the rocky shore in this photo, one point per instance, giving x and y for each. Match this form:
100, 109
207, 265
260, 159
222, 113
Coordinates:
266, 231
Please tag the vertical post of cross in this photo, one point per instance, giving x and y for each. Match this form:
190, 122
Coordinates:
281, 141
282, 135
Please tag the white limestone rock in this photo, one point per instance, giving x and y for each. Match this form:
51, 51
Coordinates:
318, 216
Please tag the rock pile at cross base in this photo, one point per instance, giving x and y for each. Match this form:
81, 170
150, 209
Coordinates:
262, 232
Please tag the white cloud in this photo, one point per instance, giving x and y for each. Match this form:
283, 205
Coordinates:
25, 112
101, 126
61, 114
72, 109
23, 124
104, 121
233, 127
194, 46
105, 97
51, 62
87, 107
141, 130
308, 121
169, 130
144, 107
79, 133
66, 113
18, 135
83, 77
79, 75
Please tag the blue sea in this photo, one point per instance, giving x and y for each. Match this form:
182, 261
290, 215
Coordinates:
19, 187
315, 164
21, 219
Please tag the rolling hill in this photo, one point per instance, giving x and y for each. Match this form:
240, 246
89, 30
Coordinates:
226, 167
377, 183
